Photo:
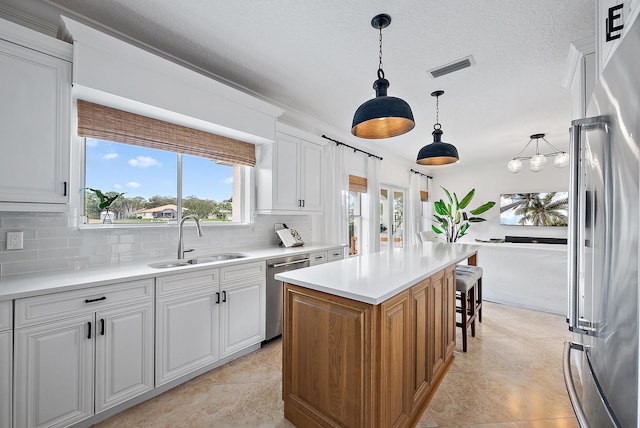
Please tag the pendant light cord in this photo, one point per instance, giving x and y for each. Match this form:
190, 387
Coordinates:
437, 124
380, 55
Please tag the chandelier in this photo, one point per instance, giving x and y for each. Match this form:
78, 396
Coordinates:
538, 160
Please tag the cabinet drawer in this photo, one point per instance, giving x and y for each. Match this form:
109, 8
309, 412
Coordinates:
317, 258
6, 315
335, 254
185, 282
245, 270
39, 309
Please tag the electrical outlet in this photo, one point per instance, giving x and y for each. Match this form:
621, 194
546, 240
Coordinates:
277, 227
14, 241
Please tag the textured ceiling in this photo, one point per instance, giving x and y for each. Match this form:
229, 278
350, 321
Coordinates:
320, 58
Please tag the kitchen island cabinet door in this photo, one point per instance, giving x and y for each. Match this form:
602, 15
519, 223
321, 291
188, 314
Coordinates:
188, 334
53, 373
34, 119
396, 350
124, 354
449, 309
422, 332
242, 314
438, 317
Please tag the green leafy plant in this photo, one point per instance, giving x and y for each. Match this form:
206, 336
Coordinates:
451, 220
105, 201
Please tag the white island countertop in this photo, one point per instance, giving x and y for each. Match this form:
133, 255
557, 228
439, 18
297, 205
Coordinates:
374, 278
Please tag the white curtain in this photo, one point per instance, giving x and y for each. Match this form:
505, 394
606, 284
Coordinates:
336, 195
373, 205
412, 214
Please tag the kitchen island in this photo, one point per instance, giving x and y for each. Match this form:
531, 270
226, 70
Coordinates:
366, 341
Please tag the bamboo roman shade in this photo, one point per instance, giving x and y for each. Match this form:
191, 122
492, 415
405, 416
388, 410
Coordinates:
106, 123
357, 184
424, 196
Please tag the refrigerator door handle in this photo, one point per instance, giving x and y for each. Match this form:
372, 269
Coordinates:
576, 221
571, 388
568, 382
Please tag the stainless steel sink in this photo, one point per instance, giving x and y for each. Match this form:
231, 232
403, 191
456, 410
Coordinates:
198, 260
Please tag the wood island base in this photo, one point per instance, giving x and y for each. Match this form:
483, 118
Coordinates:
352, 364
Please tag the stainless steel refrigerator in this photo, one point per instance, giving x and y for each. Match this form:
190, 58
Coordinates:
603, 247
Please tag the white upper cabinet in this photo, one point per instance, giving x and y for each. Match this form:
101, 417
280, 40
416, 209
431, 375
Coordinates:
35, 105
580, 75
613, 18
289, 176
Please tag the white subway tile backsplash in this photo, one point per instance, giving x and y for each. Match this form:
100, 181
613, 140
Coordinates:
54, 245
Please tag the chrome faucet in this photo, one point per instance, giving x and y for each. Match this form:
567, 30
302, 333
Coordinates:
181, 249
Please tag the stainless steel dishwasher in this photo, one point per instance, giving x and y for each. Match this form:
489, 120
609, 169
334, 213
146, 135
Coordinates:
274, 290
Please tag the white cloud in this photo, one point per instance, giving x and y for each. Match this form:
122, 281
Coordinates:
110, 156
117, 186
133, 184
144, 162
91, 142
228, 180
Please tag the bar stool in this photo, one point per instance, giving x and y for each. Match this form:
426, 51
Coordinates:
465, 293
477, 272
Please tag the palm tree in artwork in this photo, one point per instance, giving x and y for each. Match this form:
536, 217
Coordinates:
543, 210
517, 200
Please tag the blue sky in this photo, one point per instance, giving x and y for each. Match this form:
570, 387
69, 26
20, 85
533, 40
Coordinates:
147, 172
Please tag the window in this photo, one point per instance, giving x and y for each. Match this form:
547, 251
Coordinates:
357, 186
355, 222
149, 179
160, 171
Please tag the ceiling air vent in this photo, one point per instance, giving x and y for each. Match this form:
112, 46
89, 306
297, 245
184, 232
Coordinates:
454, 66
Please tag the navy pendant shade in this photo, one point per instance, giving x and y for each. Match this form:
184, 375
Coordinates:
437, 153
382, 116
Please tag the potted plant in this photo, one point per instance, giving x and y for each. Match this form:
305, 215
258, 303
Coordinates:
451, 220
105, 202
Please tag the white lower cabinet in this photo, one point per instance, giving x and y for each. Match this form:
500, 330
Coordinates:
187, 313
80, 352
242, 315
205, 316
6, 358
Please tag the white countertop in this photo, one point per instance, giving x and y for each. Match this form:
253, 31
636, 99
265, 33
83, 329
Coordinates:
374, 278
33, 284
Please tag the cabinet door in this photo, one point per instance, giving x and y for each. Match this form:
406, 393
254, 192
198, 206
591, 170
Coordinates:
311, 176
449, 310
187, 334
124, 354
53, 373
34, 125
6, 353
242, 316
438, 317
395, 361
423, 334
286, 193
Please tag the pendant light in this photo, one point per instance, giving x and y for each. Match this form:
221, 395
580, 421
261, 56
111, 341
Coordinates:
537, 161
438, 152
382, 116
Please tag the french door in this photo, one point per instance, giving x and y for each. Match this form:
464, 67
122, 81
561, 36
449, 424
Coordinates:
391, 217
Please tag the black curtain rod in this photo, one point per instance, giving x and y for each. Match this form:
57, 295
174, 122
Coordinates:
340, 143
418, 172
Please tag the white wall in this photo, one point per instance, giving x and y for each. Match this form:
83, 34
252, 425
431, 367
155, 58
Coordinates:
490, 181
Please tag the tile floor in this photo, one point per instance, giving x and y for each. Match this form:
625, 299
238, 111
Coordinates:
510, 378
